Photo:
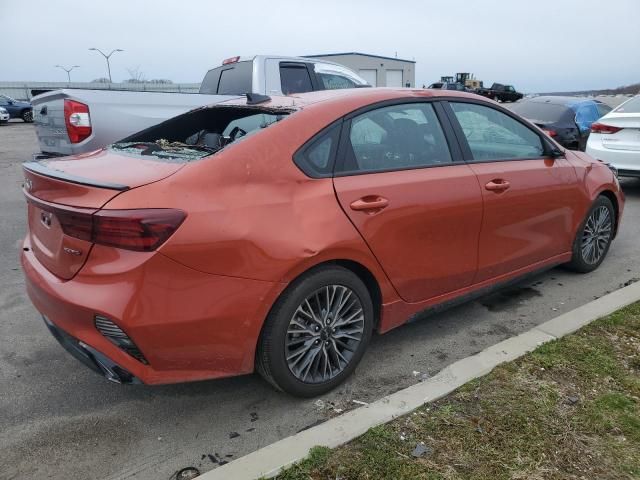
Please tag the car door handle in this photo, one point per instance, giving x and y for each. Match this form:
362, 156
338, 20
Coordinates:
497, 185
369, 203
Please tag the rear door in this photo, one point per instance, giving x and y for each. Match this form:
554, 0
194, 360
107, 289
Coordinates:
530, 199
417, 206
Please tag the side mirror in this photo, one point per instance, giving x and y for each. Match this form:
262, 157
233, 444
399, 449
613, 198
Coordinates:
555, 152
10, 102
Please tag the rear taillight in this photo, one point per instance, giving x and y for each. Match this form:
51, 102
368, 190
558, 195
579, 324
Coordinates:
602, 128
77, 120
551, 133
142, 230
227, 61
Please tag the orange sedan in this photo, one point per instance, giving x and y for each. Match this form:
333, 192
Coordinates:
277, 234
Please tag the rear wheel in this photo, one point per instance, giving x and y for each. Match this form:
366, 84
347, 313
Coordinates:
27, 116
316, 333
594, 237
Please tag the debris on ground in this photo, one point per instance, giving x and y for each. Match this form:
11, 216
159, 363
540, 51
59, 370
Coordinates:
319, 403
254, 416
234, 434
188, 473
421, 449
359, 402
572, 400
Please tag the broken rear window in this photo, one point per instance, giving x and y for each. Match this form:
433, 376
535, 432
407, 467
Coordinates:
199, 133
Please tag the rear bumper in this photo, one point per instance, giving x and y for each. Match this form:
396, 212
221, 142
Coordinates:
189, 325
44, 156
93, 359
627, 162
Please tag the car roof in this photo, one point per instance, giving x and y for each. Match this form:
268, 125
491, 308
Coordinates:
355, 97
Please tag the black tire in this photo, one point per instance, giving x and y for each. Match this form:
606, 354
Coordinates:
27, 116
271, 356
581, 262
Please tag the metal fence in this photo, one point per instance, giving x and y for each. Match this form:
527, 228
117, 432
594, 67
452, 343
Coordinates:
24, 90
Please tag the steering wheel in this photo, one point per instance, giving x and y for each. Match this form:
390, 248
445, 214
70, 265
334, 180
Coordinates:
236, 133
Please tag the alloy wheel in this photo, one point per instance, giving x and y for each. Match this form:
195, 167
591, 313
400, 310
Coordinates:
596, 235
324, 333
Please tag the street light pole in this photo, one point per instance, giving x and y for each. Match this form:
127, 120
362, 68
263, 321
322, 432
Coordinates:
106, 57
68, 70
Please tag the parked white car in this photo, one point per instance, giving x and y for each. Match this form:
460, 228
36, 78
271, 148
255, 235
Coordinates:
615, 138
4, 115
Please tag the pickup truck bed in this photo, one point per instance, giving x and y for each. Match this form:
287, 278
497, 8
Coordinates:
124, 112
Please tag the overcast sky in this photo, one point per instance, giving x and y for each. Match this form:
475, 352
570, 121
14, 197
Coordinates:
538, 45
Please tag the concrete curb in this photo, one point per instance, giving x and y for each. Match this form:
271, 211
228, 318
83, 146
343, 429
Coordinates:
270, 460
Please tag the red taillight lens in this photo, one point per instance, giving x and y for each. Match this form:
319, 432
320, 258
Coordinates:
142, 230
551, 133
77, 120
602, 128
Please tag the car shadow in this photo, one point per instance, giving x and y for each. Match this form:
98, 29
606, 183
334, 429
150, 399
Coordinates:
630, 186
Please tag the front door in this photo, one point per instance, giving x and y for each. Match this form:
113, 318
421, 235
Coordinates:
417, 206
529, 198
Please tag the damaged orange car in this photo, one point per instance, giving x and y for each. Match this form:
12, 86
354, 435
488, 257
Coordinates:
277, 234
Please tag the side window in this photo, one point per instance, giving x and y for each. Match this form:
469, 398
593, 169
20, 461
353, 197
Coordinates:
493, 135
295, 79
395, 138
315, 157
3, 100
332, 81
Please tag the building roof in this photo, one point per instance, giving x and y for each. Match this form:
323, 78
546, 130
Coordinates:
361, 54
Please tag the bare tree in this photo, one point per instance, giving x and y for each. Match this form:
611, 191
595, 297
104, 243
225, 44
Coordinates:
135, 75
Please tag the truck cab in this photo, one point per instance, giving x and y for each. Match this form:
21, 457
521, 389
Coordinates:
272, 75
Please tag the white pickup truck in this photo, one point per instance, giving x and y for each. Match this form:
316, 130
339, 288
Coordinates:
73, 121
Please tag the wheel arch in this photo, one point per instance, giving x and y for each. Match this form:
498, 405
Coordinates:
616, 206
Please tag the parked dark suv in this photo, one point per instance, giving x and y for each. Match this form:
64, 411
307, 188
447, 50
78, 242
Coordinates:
17, 109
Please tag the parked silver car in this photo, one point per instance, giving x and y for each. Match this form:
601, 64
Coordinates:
4, 115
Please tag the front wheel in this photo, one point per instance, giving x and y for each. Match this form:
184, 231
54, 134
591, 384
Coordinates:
316, 333
594, 237
27, 116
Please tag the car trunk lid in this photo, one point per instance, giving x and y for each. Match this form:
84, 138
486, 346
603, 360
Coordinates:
64, 194
628, 138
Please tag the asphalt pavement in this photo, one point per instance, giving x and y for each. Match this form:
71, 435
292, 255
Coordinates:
58, 419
